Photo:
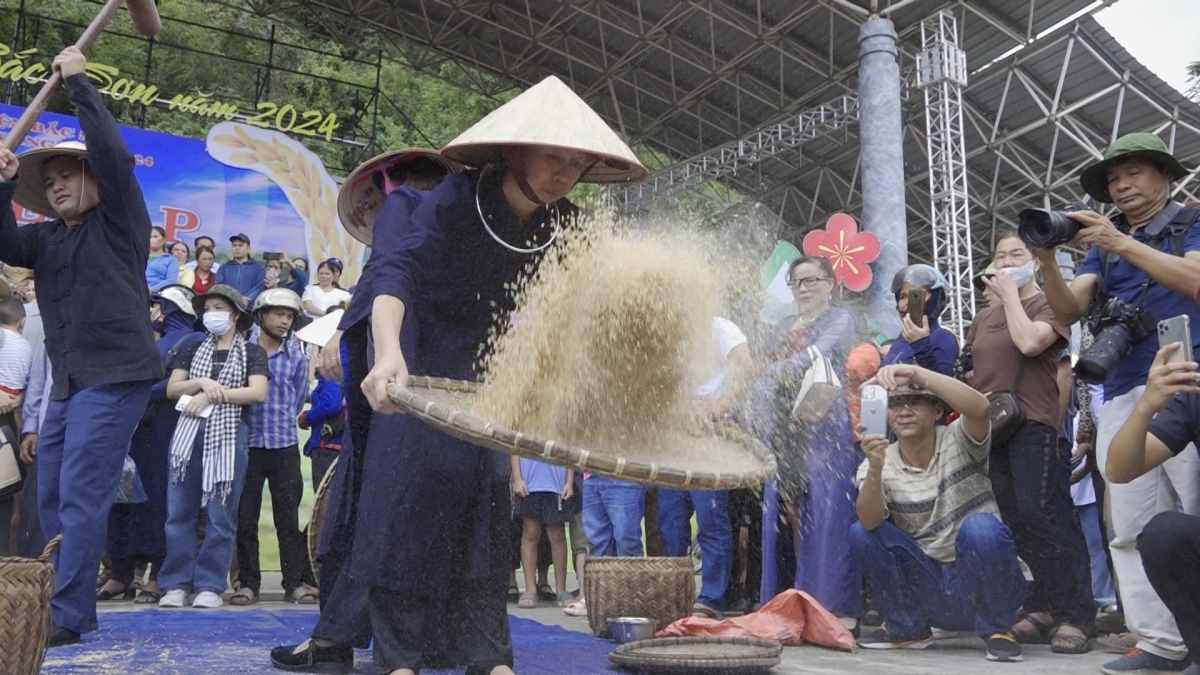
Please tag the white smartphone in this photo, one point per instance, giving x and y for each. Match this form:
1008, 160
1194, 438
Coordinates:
185, 399
874, 410
1176, 329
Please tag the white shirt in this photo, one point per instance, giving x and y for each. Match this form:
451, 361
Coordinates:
322, 300
1084, 492
716, 372
16, 359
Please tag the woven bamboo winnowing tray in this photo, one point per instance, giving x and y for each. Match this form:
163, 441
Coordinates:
663, 589
724, 655
445, 405
316, 518
26, 586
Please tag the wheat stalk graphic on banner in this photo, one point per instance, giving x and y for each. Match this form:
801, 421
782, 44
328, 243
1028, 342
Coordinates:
302, 177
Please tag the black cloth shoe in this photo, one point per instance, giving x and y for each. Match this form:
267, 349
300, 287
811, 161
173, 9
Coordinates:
61, 637
1003, 647
337, 659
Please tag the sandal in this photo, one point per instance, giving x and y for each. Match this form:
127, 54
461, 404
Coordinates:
1061, 643
243, 596
514, 593
145, 597
528, 600
1038, 636
126, 593
577, 608
303, 595
706, 612
544, 592
564, 599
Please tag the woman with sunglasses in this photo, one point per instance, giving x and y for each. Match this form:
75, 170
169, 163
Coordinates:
815, 491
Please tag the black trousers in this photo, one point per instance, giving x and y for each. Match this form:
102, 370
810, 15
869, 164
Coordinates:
345, 618
1031, 478
279, 470
8, 506
322, 459
1170, 548
125, 569
409, 630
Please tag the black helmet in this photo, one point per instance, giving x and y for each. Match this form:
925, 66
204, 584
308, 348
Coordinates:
926, 277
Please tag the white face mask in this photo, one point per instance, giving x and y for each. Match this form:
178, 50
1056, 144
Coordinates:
1020, 275
218, 323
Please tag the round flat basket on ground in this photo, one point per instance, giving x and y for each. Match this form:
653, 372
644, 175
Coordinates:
722, 460
316, 518
725, 655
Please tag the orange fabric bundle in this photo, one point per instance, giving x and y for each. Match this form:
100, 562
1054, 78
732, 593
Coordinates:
791, 618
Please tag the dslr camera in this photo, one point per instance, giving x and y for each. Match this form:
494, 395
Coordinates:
1117, 327
1042, 228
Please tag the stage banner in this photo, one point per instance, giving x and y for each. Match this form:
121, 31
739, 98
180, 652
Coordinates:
241, 179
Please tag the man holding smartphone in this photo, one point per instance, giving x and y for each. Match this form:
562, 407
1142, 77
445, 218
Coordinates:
1136, 260
929, 534
1165, 424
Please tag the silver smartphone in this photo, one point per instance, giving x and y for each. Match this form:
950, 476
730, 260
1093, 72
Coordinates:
874, 417
1176, 329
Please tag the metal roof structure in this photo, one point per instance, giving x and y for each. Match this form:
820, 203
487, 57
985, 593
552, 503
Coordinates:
700, 79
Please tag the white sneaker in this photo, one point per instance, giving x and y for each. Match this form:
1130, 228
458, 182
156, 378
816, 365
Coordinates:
207, 600
175, 598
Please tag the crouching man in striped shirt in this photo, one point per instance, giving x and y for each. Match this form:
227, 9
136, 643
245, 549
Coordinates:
929, 534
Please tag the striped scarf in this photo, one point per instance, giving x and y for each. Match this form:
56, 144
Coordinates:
220, 434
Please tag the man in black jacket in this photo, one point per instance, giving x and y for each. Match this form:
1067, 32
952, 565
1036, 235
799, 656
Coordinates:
89, 262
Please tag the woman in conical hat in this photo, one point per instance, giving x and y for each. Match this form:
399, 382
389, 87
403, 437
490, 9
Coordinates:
433, 532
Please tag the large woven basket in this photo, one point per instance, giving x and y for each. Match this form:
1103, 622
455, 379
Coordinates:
316, 517
445, 404
663, 589
26, 585
724, 655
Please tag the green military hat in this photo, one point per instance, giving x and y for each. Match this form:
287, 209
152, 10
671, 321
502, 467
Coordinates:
244, 319
1094, 179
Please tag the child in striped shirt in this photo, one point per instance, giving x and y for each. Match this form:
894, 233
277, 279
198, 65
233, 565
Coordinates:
16, 356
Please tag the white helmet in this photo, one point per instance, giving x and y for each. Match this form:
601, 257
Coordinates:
278, 297
181, 296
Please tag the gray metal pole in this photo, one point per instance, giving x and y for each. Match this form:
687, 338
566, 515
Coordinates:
881, 142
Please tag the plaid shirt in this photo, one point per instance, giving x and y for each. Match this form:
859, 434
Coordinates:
273, 422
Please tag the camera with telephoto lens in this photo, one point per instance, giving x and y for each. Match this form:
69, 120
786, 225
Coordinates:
1042, 228
1116, 329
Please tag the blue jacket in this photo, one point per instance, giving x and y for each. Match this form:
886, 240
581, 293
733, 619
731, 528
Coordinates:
938, 352
91, 278
246, 277
326, 417
162, 271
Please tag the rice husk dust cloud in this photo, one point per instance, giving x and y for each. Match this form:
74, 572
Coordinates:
608, 337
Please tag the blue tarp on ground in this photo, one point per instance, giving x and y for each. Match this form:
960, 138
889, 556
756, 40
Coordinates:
238, 642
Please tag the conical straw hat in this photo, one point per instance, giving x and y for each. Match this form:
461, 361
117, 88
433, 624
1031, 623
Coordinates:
364, 190
552, 115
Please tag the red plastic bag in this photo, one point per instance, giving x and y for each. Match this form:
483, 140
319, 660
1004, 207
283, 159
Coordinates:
792, 618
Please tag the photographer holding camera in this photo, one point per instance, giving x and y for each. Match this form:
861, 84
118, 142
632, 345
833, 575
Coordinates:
1141, 268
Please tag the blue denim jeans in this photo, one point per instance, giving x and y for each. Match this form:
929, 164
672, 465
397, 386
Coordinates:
713, 532
981, 590
1103, 590
207, 569
81, 451
612, 516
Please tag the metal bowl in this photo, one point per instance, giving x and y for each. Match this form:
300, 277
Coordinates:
631, 628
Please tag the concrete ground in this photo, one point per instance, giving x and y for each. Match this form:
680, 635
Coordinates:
958, 654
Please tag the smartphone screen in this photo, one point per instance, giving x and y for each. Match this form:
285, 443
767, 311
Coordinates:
1176, 329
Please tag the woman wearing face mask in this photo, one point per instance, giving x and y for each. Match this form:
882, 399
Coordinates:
815, 491
223, 375
1016, 346
162, 269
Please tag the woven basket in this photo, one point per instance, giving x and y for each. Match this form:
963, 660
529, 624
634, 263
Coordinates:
724, 655
444, 404
316, 517
26, 585
663, 589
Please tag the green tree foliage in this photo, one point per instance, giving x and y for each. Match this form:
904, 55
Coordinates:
234, 57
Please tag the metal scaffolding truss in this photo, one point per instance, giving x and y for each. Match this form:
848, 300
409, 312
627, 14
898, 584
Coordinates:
686, 77
942, 75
